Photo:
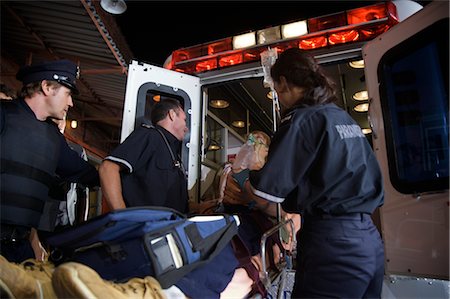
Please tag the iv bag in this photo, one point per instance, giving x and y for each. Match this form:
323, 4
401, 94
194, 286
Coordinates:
268, 59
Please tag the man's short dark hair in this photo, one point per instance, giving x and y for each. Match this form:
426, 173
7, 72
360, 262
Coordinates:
162, 108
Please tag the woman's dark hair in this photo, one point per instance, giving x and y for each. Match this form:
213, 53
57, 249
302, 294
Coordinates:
301, 69
161, 108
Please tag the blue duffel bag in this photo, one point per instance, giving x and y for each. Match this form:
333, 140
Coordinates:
144, 241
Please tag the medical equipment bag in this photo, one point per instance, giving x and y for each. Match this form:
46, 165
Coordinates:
144, 241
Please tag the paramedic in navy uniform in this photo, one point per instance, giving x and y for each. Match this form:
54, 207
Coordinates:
321, 166
141, 171
33, 151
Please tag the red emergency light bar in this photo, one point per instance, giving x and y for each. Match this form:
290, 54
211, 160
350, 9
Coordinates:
350, 26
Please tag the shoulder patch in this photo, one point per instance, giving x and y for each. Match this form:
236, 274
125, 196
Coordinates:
147, 126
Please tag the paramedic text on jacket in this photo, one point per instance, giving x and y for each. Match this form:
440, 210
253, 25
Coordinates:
320, 165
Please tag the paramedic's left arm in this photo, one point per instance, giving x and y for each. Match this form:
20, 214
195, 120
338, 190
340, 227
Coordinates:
233, 193
291, 153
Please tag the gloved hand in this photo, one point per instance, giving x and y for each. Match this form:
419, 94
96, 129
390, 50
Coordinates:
241, 177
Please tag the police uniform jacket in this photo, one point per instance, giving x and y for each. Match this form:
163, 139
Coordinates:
149, 176
33, 153
320, 162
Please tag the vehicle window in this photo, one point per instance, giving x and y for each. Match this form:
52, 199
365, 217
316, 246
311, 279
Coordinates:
414, 96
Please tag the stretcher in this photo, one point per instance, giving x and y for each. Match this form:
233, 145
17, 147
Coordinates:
279, 279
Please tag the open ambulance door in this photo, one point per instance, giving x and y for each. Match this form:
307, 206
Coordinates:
407, 75
148, 84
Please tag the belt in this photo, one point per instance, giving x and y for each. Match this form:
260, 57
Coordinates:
11, 233
349, 216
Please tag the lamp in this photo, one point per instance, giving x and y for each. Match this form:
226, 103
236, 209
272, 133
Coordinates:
361, 95
116, 7
219, 104
361, 107
357, 64
73, 124
238, 124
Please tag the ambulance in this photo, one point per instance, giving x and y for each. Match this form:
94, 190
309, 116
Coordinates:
390, 62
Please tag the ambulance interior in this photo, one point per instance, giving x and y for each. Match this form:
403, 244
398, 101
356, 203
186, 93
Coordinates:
238, 107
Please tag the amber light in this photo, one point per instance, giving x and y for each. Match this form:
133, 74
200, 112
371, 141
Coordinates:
230, 60
343, 37
367, 14
313, 43
327, 22
206, 65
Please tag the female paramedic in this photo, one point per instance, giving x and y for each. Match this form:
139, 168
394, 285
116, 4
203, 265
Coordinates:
321, 166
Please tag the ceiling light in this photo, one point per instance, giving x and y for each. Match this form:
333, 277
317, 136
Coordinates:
294, 29
219, 104
238, 124
157, 98
366, 131
357, 64
361, 107
116, 7
244, 40
214, 147
361, 95
73, 124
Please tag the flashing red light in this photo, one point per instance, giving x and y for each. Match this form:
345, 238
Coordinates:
253, 54
359, 24
230, 59
327, 22
313, 43
222, 45
392, 12
343, 37
371, 32
206, 65
367, 14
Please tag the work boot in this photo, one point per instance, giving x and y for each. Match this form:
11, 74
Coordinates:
29, 279
74, 280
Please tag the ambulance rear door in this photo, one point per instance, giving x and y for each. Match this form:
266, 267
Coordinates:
148, 84
408, 84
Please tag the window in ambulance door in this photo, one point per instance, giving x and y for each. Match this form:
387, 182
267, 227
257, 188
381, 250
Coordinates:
414, 86
148, 97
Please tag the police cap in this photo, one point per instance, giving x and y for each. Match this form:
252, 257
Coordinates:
64, 72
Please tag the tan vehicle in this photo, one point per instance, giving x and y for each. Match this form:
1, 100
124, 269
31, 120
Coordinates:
390, 63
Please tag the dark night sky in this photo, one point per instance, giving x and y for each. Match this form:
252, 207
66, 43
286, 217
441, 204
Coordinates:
153, 29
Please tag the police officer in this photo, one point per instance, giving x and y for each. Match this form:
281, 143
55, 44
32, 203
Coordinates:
321, 166
146, 168
34, 152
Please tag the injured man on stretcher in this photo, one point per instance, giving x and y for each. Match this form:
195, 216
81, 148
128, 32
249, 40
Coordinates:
233, 273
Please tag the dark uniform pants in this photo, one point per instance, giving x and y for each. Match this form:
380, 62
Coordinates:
339, 257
